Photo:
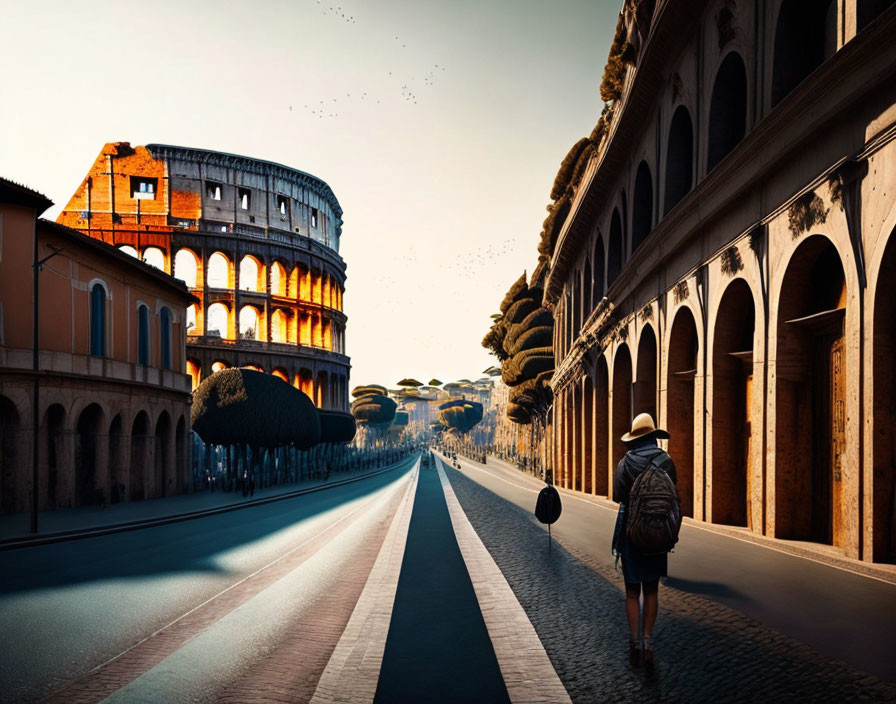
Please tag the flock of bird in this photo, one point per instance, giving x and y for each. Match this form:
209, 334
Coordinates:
331, 106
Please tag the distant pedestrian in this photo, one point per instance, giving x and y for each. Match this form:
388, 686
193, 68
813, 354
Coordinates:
642, 566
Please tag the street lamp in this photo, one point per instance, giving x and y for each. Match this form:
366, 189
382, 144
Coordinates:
38, 266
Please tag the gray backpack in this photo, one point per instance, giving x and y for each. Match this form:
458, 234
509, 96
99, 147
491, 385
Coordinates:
654, 513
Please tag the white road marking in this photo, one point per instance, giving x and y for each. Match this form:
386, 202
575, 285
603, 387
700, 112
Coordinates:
353, 671
528, 673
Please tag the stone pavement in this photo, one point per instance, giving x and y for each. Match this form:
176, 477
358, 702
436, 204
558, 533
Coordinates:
705, 651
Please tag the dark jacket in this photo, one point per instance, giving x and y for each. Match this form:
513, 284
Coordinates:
635, 461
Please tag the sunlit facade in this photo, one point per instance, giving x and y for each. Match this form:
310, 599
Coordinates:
257, 243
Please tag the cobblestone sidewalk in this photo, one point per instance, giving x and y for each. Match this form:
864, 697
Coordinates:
705, 652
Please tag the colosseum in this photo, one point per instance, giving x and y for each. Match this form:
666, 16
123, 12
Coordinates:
256, 242
727, 263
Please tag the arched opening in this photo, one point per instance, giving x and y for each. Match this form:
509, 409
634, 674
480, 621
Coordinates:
54, 424
143, 335
98, 320
278, 280
186, 267
280, 373
575, 428
322, 389
884, 473
588, 435
9, 455
615, 253
163, 475
679, 158
165, 337
727, 110
305, 383
279, 326
249, 318
810, 371
219, 271
218, 320
253, 367
219, 366
587, 285
193, 326
603, 470
141, 456
117, 463
194, 369
251, 274
805, 35
130, 251
681, 403
86, 455
868, 10
642, 206
155, 257
622, 401
598, 259
576, 305
645, 381
732, 382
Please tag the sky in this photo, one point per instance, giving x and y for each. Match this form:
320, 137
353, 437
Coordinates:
439, 125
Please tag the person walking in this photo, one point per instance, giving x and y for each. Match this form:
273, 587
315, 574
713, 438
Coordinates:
642, 569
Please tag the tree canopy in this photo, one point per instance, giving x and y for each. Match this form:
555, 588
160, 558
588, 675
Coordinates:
459, 415
244, 407
336, 427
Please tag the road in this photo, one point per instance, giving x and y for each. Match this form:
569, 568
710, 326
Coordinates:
70, 607
844, 615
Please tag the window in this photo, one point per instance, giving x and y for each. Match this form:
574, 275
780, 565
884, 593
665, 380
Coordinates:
143, 335
212, 190
283, 205
314, 217
165, 337
98, 320
245, 200
143, 188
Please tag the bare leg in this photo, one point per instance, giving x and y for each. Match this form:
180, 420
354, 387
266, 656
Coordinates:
651, 603
632, 594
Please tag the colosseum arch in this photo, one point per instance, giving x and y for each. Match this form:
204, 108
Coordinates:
679, 158
622, 400
587, 286
616, 250
10, 429
322, 389
603, 465
681, 402
732, 383
280, 326
642, 205
599, 265
219, 271
141, 456
219, 320
883, 518
219, 366
194, 369
155, 257
281, 373
88, 469
305, 383
187, 268
279, 280
805, 36
250, 324
130, 251
252, 275
644, 390
576, 305
727, 109
810, 395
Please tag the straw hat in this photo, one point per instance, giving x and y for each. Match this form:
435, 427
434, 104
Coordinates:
643, 426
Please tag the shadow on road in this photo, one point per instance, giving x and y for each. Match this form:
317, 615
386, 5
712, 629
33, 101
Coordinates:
693, 586
194, 546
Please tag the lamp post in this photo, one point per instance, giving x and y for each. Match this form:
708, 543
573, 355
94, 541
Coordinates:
38, 266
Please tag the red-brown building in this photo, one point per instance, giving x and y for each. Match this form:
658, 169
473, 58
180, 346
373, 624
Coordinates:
114, 396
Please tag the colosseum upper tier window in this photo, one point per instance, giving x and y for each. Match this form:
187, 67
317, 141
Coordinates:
143, 188
213, 190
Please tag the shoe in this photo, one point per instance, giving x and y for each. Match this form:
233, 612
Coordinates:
648, 661
634, 653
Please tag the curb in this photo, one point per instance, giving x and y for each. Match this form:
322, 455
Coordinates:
64, 536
